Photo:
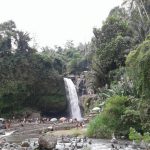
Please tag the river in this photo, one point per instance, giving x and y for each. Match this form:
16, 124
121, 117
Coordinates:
33, 131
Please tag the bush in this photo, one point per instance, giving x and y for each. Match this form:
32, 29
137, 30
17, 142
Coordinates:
109, 121
98, 128
134, 135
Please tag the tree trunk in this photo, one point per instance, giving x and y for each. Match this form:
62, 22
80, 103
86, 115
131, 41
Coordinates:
139, 10
144, 10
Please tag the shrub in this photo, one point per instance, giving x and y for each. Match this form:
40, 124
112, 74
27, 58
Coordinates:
109, 121
98, 128
134, 135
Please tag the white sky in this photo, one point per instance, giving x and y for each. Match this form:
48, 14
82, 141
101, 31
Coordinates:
53, 22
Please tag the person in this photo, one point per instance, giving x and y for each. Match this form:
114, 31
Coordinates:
6, 125
24, 120
75, 120
21, 124
80, 124
77, 124
9, 123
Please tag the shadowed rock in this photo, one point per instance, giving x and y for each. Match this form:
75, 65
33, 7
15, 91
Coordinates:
47, 142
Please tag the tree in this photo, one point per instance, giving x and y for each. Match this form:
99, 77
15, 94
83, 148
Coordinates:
112, 42
22, 42
138, 67
28, 79
139, 18
7, 33
139, 4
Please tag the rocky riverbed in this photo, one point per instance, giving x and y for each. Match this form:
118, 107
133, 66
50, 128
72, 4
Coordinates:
39, 136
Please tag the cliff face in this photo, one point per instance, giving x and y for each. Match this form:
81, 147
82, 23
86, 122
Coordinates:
85, 91
83, 84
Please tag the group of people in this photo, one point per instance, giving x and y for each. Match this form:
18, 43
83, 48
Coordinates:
79, 124
23, 121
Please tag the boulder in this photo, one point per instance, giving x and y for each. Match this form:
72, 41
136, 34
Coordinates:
47, 142
79, 145
96, 109
25, 144
62, 119
53, 120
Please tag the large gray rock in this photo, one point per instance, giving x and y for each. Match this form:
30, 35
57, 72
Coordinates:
47, 142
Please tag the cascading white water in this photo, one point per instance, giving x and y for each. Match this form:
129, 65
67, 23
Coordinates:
73, 99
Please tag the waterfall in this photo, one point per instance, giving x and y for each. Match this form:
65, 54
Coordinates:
73, 99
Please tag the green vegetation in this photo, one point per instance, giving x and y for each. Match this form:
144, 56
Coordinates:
138, 63
121, 73
70, 132
110, 120
134, 135
31, 79
111, 42
28, 79
117, 61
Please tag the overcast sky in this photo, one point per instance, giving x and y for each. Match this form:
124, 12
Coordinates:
53, 22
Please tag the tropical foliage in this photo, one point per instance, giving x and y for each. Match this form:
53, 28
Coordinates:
117, 60
121, 69
27, 78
